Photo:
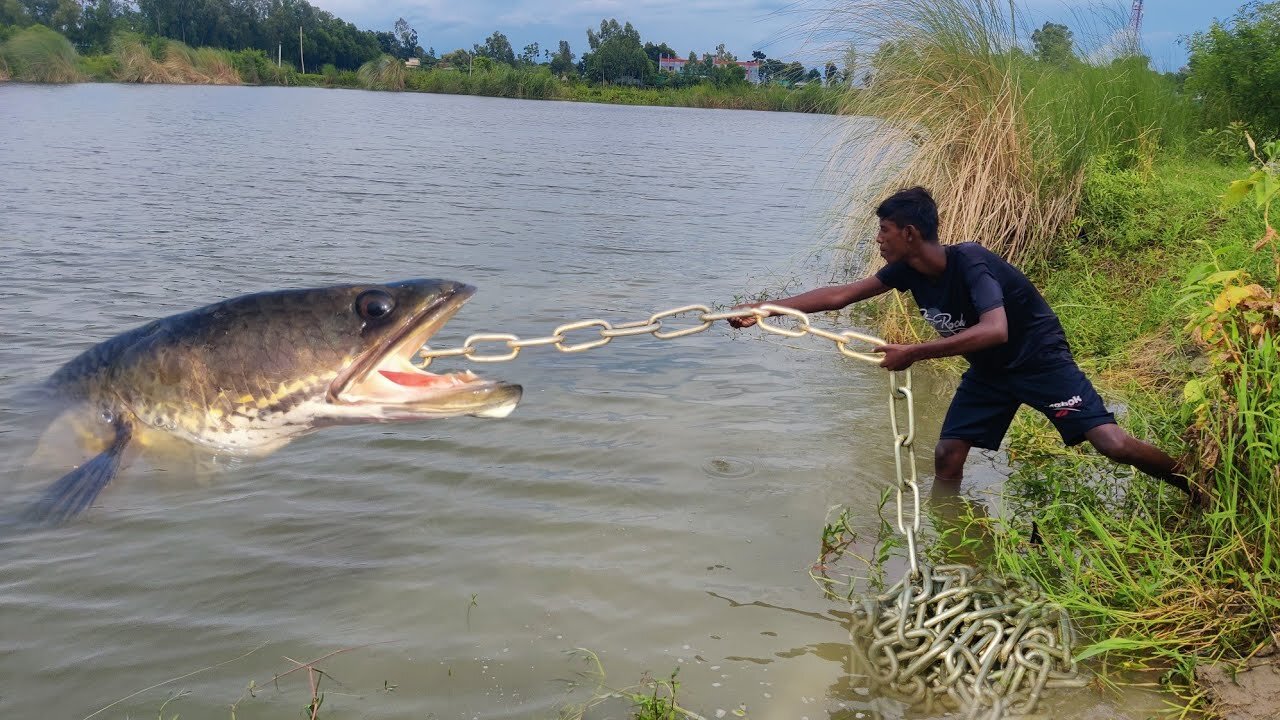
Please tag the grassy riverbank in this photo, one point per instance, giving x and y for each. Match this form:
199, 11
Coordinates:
1157, 294
1097, 176
37, 54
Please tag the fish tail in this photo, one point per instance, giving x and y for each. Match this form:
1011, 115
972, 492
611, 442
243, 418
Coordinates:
75, 492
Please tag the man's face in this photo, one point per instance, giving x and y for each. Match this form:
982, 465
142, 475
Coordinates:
894, 241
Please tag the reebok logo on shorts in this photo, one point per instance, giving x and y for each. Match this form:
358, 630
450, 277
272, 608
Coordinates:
1066, 406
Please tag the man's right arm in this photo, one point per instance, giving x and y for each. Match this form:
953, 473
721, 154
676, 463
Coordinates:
822, 299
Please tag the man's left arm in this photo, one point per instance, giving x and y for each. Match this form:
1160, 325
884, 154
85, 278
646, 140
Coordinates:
992, 330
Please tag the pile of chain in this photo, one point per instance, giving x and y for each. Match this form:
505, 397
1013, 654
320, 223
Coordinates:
940, 636
949, 638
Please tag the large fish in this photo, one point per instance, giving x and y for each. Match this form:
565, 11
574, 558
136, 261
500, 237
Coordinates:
247, 375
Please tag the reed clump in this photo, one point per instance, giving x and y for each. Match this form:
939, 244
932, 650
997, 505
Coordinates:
382, 73
171, 62
1001, 138
38, 54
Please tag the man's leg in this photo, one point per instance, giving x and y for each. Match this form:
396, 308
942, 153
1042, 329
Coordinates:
948, 461
979, 415
1112, 441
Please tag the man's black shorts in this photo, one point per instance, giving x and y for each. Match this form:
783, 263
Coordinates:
985, 403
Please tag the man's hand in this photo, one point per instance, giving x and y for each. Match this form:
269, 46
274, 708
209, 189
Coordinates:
747, 321
897, 357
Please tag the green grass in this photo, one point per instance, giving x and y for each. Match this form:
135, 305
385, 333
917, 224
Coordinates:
38, 54
650, 698
1137, 234
1152, 583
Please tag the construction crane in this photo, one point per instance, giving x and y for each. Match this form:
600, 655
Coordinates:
1135, 18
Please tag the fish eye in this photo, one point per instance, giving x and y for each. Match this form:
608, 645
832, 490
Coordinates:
375, 304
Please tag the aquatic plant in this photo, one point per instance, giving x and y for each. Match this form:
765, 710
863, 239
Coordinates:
651, 698
38, 54
382, 73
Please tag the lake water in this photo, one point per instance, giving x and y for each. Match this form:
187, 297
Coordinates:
658, 504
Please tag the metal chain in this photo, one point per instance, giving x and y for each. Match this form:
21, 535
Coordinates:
939, 634
606, 332
951, 637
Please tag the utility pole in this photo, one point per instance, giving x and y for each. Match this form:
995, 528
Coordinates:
279, 54
301, 60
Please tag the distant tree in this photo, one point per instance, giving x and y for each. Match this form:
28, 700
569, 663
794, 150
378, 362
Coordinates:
655, 52
529, 56
724, 55
40, 11
459, 59
813, 75
66, 17
406, 45
610, 29
728, 74
12, 12
830, 74
1235, 68
757, 56
562, 62
1052, 44
772, 70
97, 25
617, 55
793, 72
497, 48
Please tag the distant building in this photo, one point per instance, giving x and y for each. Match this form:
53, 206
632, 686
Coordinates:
413, 63
675, 65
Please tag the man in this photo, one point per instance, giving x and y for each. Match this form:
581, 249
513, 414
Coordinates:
986, 310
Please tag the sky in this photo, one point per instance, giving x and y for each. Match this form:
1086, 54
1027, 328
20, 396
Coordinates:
700, 25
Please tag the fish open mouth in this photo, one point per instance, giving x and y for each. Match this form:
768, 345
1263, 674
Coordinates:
387, 377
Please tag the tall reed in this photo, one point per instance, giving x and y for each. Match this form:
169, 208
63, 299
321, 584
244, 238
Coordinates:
174, 62
1001, 139
382, 73
38, 54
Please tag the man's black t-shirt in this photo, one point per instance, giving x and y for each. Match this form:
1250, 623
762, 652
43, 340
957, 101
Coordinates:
977, 280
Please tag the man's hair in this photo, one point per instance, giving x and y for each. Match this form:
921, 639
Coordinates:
912, 206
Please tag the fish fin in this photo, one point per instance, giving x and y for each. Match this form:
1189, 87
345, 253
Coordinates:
76, 491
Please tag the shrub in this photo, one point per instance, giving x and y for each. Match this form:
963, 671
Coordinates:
382, 73
100, 67
38, 54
